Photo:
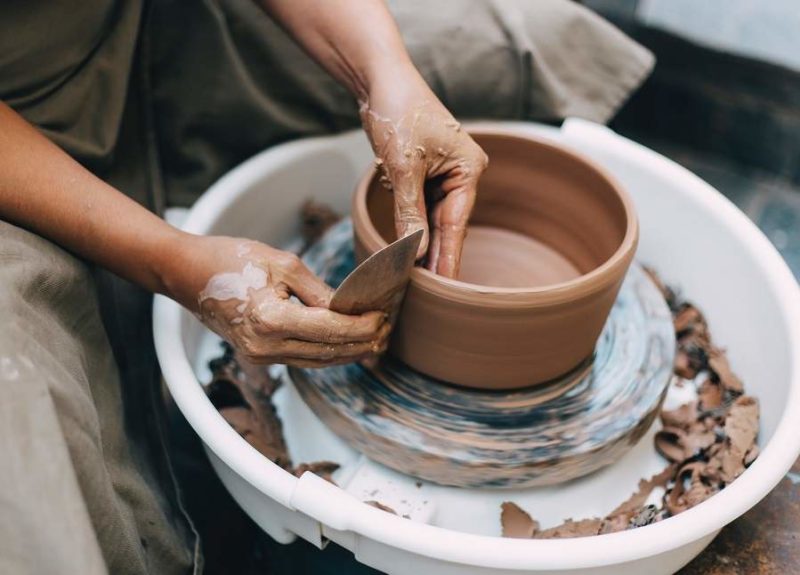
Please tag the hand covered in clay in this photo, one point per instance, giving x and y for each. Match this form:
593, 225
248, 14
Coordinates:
422, 151
242, 290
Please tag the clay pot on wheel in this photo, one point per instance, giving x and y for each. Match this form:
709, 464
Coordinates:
550, 240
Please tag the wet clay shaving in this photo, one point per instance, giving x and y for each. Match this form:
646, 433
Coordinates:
381, 506
242, 393
708, 442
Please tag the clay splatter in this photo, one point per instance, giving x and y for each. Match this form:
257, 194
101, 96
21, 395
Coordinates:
708, 442
242, 393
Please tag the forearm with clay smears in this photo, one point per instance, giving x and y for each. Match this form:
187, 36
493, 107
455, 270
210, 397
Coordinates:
239, 288
44, 190
415, 138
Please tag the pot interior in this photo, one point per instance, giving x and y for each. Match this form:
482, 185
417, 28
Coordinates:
542, 216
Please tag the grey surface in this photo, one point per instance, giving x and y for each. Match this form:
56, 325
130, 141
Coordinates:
757, 29
767, 30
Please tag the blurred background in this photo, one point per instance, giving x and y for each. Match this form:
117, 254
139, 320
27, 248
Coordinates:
724, 100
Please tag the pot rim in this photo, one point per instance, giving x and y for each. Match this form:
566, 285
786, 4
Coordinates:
584, 285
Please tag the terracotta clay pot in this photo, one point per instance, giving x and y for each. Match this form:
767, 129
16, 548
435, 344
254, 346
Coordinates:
550, 240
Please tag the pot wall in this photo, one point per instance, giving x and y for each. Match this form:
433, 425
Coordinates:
498, 348
514, 337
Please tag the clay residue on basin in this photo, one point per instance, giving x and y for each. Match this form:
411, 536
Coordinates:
502, 258
708, 442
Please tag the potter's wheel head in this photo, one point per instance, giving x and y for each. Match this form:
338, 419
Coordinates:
473, 438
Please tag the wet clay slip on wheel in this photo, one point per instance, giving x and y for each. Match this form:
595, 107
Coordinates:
541, 435
550, 240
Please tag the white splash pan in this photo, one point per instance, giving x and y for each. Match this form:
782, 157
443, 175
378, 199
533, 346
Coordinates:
695, 238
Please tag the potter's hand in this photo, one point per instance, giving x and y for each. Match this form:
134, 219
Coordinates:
241, 290
412, 133
422, 150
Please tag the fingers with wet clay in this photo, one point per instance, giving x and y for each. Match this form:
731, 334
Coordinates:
308, 288
247, 301
314, 324
416, 139
449, 220
315, 354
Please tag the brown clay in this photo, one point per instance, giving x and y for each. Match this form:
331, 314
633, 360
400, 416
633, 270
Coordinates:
550, 240
501, 258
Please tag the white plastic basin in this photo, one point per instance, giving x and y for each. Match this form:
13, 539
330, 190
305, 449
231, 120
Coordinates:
694, 237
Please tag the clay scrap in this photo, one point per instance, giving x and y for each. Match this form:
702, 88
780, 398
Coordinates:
381, 506
708, 442
315, 219
633, 512
325, 469
242, 393
516, 522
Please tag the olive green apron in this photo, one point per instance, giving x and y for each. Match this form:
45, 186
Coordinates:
161, 98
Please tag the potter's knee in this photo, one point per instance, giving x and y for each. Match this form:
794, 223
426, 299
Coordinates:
466, 53
38, 270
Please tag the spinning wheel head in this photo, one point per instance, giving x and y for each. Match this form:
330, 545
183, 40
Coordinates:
473, 438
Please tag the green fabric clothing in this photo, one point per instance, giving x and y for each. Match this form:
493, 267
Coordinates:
76, 497
161, 98
212, 82
233, 83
